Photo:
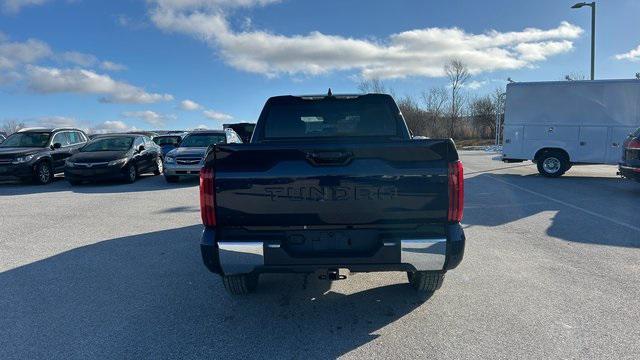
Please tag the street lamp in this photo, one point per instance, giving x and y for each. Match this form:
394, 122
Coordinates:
499, 106
593, 32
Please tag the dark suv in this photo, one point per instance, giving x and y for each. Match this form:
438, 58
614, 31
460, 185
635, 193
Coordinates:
38, 154
630, 165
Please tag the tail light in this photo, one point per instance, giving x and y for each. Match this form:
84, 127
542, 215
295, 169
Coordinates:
634, 144
456, 192
207, 197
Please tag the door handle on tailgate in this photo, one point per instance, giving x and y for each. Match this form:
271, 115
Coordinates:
330, 157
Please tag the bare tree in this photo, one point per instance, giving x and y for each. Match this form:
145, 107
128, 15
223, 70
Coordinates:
499, 98
458, 73
436, 100
415, 117
483, 112
372, 86
575, 76
11, 126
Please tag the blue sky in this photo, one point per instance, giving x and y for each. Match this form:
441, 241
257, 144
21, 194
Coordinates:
113, 65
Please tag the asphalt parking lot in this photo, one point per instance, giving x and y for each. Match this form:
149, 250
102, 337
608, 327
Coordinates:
551, 270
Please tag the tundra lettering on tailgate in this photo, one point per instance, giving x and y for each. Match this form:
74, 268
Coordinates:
333, 193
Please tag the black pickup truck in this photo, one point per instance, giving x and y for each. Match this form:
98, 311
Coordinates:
331, 183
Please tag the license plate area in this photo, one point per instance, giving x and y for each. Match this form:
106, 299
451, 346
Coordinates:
332, 243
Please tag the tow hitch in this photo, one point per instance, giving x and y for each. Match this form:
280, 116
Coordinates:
332, 275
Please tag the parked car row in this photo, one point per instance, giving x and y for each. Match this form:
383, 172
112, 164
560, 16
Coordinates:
37, 155
114, 157
188, 157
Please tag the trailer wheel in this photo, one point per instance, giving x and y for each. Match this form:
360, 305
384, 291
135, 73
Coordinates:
426, 281
553, 164
240, 284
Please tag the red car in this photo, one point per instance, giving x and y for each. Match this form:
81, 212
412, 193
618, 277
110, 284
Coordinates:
630, 165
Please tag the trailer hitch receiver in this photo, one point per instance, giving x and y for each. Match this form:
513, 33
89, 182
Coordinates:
332, 275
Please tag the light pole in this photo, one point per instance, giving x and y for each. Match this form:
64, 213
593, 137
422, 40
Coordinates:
499, 108
593, 32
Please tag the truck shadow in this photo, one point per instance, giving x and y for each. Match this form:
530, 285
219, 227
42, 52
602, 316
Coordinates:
149, 296
492, 201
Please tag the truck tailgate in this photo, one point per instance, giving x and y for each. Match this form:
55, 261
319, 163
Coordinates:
280, 185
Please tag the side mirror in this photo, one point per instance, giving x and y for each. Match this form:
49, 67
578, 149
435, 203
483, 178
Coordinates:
56, 146
141, 148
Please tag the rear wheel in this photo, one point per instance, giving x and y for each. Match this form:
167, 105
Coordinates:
43, 174
240, 284
553, 164
159, 167
171, 178
426, 281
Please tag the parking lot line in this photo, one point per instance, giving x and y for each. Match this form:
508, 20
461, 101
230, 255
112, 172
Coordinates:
617, 222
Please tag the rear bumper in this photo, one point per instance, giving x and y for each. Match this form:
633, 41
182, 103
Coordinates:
629, 172
430, 254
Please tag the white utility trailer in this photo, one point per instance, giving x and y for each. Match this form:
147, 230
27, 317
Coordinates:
561, 123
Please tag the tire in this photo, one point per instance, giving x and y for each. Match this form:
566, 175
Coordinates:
426, 281
553, 164
131, 174
171, 178
242, 284
43, 173
159, 166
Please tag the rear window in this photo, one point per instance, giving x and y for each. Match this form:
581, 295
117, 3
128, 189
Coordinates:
330, 117
203, 140
167, 140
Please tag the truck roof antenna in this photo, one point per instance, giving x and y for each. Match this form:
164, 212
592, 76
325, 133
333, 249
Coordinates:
329, 93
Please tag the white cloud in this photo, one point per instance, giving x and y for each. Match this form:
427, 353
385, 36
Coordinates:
56, 121
210, 4
88, 60
150, 117
631, 55
477, 84
19, 61
189, 105
33, 51
9, 77
78, 58
14, 54
14, 6
111, 66
111, 126
215, 115
420, 52
48, 80
540, 51
474, 84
